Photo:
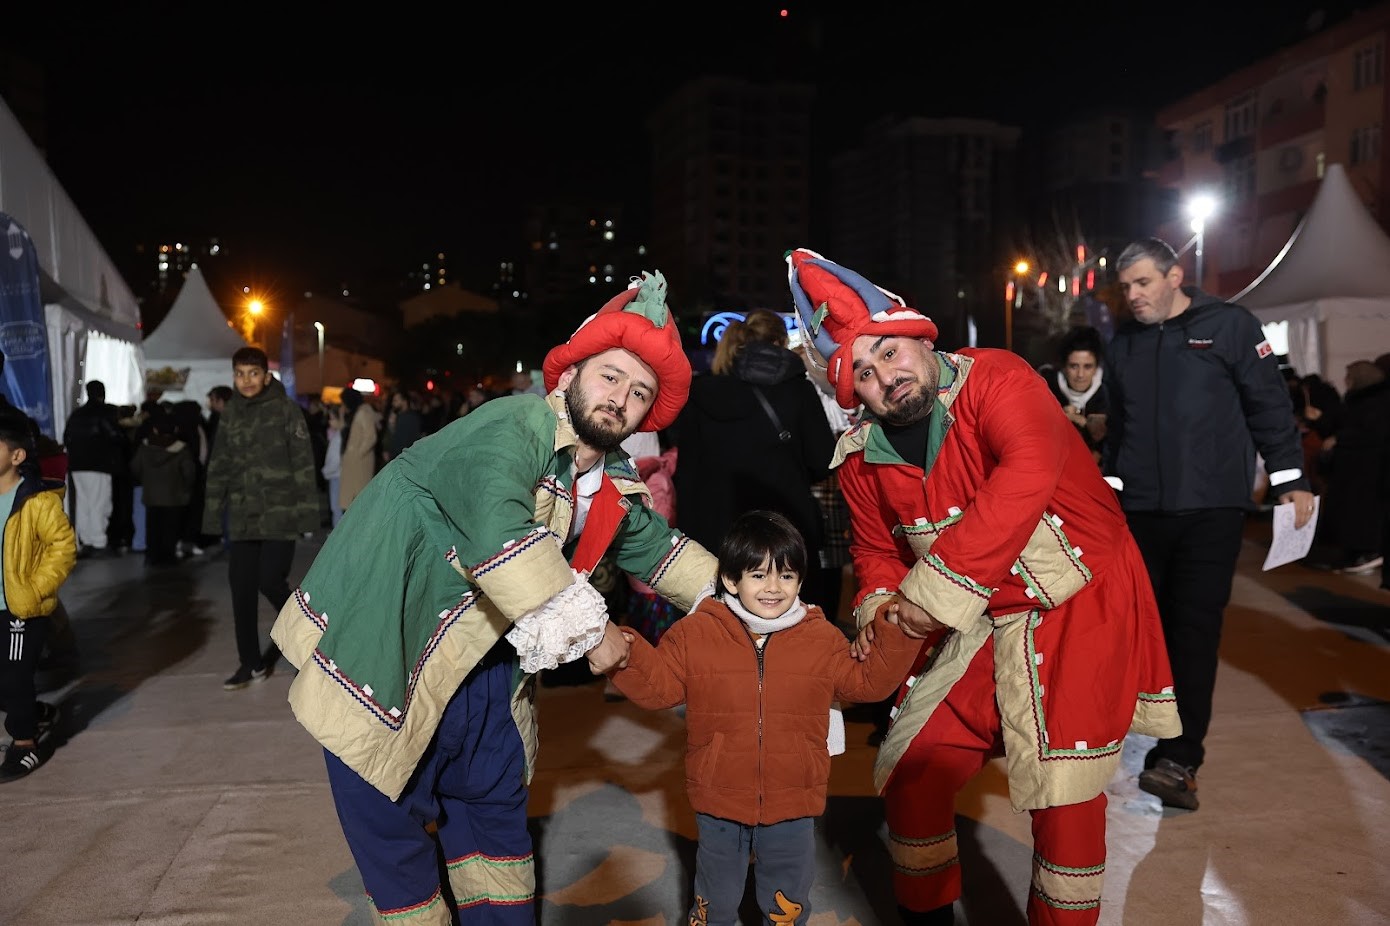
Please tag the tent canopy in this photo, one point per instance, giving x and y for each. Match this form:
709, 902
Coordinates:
195, 337
196, 328
1330, 283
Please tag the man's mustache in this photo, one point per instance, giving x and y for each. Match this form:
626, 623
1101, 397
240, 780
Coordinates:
612, 410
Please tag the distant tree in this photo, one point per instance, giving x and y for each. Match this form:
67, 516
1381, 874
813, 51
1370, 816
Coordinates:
1059, 281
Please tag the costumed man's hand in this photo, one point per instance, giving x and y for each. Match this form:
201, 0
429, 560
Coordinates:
1302, 506
611, 652
916, 623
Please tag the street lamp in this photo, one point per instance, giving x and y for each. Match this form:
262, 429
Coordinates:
1199, 209
1013, 295
253, 308
319, 326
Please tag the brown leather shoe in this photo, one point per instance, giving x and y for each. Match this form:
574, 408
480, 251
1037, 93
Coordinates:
1173, 784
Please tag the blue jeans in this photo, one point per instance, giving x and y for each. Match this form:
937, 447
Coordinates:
784, 866
333, 500
137, 542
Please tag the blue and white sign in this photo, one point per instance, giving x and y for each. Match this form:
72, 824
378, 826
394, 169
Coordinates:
23, 335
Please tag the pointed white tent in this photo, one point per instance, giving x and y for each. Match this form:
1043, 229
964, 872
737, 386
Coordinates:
1330, 284
194, 336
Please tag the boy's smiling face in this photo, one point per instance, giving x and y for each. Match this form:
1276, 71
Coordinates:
766, 591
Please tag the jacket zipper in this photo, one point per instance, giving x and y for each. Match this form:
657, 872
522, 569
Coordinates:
1157, 424
767, 638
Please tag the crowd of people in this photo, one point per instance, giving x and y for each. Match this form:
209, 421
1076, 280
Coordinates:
1001, 559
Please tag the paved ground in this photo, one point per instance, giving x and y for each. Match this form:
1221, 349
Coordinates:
170, 802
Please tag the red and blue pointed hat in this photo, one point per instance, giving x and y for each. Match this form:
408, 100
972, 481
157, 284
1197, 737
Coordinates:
836, 305
639, 321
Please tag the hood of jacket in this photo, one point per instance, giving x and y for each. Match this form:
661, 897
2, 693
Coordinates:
729, 397
274, 389
764, 364
1202, 303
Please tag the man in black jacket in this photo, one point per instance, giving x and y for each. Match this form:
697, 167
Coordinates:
1195, 391
97, 449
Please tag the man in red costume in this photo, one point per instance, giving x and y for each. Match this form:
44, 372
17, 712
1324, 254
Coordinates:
981, 521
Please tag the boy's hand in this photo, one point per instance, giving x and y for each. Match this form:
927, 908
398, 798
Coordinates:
861, 645
611, 652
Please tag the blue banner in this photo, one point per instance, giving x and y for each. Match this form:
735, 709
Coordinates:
287, 357
23, 334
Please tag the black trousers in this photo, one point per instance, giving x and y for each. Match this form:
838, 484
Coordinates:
24, 640
256, 568
162, 523
1191, 558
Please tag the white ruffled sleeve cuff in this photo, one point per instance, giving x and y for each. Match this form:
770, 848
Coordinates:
561, 630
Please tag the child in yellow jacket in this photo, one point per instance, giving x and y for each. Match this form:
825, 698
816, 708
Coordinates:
37, 552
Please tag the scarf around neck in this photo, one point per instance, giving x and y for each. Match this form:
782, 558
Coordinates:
1079, 399
793, 615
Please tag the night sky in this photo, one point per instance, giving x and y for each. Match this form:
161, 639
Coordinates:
339, 150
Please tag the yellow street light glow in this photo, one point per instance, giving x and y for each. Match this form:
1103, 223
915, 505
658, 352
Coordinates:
1021, 267
255, 306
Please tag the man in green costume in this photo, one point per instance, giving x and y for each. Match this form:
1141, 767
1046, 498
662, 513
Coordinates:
459, 572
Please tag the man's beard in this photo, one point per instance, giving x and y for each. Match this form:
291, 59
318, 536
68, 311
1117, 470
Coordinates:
913, 407
595, 431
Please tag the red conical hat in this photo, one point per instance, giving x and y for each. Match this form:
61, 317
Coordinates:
837, 305
637, 320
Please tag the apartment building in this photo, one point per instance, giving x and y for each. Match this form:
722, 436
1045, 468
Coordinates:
731, 182
921, 207
1261, 138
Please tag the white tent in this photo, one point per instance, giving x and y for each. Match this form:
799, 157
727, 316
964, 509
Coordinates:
194, 341
91, 317
1329, 286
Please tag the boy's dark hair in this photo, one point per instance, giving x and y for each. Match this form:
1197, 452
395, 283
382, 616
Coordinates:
757, 536
15, 432
251, 356
222, 392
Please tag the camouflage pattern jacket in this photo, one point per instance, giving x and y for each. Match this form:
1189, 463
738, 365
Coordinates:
261, 469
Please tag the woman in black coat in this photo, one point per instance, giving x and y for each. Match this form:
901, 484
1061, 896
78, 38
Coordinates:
1079, 385
733, 457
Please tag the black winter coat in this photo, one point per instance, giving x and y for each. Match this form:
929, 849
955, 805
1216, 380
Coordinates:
731, 459
95, 441
1191, 400
167, 473
1358, 472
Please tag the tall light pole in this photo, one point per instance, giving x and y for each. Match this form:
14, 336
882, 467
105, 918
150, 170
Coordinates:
1013, 296
1200, 208
319, 326
254, 308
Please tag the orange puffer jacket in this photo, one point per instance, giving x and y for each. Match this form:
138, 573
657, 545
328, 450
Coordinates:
756, 722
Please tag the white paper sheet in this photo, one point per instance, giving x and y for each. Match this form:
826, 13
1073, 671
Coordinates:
1289, 544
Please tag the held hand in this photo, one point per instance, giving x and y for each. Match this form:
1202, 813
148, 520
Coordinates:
1302, 506
1095, 426
862, 645
612, 651
916, 623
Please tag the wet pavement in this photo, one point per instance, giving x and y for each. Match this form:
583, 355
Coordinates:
170, 801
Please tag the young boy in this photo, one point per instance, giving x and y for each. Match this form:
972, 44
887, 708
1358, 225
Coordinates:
261, 471
37, 552
758, 672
